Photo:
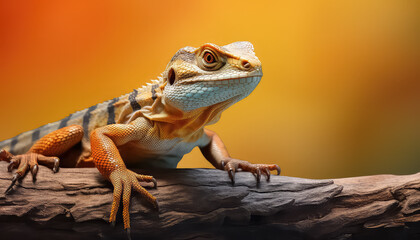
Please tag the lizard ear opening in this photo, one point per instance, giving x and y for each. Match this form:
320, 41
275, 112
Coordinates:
171, 76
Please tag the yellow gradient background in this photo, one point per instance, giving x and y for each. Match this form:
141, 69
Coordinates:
340, 94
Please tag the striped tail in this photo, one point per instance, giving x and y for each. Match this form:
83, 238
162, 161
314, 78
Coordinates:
22, 143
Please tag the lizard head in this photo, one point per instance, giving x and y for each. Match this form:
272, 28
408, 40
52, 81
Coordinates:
210, 74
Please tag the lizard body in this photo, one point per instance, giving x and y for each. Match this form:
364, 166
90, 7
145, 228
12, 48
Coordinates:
153, 126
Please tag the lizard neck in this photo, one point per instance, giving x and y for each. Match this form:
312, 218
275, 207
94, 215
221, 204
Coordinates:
173, 122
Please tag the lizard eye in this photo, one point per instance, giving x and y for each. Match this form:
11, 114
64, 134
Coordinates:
209, 57
210, 60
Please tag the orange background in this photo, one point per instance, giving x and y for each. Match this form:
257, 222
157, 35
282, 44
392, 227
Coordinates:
340, 94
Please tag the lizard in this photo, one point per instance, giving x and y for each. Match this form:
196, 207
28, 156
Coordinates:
153, 126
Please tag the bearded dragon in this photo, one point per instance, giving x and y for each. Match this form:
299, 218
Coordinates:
153, 126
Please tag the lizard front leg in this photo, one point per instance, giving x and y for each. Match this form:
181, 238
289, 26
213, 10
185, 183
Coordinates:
104, 142
216, 153
44, 152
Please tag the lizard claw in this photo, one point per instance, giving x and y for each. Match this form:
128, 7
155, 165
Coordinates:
56, 165
267, 174
128, 233
154, 183
156, 204
258, 173
278, 169
231, 173
16, 176
34, 171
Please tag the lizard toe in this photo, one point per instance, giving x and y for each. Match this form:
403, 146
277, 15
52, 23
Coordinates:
232, 165
14, 163
29, 162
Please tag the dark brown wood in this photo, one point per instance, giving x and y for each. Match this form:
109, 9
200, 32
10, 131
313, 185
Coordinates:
202, 203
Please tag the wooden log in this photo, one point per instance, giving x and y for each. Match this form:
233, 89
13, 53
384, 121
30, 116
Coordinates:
202, 203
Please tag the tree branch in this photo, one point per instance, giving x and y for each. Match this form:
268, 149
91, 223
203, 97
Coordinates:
202, 203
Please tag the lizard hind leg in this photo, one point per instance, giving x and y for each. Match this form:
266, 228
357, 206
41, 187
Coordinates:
44, 152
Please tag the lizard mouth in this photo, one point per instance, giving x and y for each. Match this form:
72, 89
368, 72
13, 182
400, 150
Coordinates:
242, 77
225, 82
238, 80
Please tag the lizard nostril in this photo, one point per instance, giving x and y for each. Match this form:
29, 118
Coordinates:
246, 64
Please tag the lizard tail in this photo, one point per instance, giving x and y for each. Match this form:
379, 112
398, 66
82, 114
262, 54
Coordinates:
22, 143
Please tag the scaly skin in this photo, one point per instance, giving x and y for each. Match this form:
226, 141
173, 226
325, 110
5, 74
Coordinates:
153, 126
43, 152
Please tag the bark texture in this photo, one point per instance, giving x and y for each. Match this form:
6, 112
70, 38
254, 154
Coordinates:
203, 204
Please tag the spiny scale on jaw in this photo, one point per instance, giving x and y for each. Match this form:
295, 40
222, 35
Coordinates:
197, 86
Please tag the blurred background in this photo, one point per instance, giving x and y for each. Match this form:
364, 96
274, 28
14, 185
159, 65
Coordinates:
340, 94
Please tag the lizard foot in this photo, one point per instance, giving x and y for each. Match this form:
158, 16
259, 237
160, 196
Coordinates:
232, 165
123, 180
26, 162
